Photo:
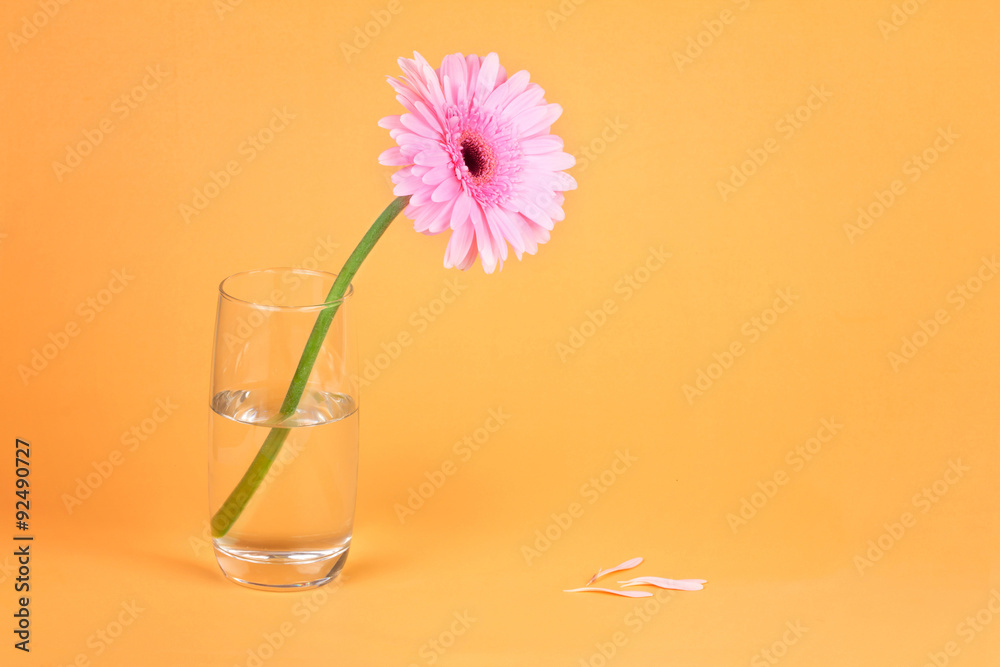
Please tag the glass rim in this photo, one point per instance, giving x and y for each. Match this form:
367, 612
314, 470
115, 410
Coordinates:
229, 296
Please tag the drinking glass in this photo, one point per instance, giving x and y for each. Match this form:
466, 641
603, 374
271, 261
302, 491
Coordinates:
282, 480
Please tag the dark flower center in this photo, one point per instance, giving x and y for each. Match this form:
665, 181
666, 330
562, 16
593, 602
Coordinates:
478, 156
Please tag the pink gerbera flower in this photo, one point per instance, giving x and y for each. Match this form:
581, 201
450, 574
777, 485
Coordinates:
477, 157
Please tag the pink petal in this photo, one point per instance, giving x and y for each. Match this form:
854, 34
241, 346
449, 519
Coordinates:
507, 91
414, 76
487, 254
393, 157
438, 174
501, 222
422, 196
448, 88
625, 594
672, 584
540, 206
472, 64
542, 144
447, 189
460, 214
458, 245
487, 79
527, 234
400, 86
428, 116
455, 72
519, 82
414, 142
627, 565
416, 125
407, 184
432, 157
536, 215
540, 234
539, 199
536, 119
441, 223
563, 181
496, 235
391, 123
469, 259
532, 95
430, 78
409, 100
554, 161
425, 216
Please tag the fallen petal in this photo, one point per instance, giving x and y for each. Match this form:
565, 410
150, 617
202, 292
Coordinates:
627, 565
672, 584
627, 594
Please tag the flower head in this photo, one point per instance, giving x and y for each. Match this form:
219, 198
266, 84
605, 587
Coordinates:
477, 157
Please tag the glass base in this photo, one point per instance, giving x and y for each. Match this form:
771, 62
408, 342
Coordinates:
280, 570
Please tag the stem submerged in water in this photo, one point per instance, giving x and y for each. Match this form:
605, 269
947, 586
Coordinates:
240, 496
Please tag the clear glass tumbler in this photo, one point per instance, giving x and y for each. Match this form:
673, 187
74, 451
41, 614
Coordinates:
282, 479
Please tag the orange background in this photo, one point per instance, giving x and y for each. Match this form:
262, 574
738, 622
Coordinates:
661, 134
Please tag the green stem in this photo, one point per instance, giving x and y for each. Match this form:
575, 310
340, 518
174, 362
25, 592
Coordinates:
245, 488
